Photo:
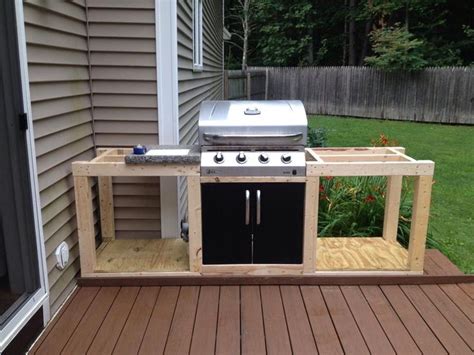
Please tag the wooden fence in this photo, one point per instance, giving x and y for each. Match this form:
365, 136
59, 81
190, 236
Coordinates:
444, 95
245, 85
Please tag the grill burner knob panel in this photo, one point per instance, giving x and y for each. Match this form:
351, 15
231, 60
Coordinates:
219, 158
241, 158
263, 158
286, 158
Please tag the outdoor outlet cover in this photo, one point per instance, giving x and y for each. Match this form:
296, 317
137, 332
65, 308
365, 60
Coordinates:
62, 255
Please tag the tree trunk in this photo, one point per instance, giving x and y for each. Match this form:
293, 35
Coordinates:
344, 45
246, 32
352, 34
365, 43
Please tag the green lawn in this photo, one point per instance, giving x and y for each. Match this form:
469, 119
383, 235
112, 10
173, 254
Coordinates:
451, 148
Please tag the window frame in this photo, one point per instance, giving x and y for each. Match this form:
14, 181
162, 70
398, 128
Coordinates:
197, 36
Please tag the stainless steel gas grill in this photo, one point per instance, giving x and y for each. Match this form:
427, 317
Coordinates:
252, 138
252, 222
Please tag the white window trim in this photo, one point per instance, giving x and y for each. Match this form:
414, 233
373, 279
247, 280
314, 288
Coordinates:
197, 36
168, 114
41, 297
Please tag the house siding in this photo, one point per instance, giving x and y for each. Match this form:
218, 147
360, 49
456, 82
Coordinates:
122, 48
56, 37
92, 76
195, 87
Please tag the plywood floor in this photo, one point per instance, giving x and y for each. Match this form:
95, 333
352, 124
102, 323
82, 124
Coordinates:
132, 255
363, 254
403, 319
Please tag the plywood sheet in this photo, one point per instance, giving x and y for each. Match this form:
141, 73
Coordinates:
143, 255
360, 254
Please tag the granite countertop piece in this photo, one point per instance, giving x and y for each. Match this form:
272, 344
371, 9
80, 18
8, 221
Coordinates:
193, 157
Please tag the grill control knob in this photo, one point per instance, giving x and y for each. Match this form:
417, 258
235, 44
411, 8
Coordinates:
219, 158
263, 158
241, 158
286, 158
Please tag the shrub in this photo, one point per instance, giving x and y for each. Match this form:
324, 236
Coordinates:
355, 207
316, 137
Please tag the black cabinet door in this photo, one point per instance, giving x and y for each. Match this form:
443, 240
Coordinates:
278, 237
226, 237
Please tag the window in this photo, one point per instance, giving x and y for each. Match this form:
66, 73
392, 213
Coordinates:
197, 35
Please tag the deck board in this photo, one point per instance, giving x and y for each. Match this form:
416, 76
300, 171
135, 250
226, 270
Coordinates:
346, 327
68, 322
416, 326
106, 338
205, 327
274, 319
80, 341
370, 328
276, 331
253, 334
157, 332
322, 326
181, 331
435, 320
393, 327
137, 322
458, 320
228, 323
301, 336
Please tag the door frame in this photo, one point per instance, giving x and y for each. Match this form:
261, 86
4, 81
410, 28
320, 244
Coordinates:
41, 297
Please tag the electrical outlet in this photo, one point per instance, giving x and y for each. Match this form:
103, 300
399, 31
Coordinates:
62, 255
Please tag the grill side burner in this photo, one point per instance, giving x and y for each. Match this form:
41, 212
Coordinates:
252, 138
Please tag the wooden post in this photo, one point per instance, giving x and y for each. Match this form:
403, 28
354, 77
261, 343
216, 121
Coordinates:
226, 85
194, 219
85, 223
249, 86
392, 207
106, 199
419, 222
310, 224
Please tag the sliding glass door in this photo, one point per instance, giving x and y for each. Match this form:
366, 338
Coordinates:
21, 290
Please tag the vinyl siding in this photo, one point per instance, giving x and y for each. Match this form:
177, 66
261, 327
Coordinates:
56, 38
123, 75
195, 87
92, 78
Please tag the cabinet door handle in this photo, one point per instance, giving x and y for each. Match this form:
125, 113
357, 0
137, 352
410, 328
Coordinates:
247, 207
259, 206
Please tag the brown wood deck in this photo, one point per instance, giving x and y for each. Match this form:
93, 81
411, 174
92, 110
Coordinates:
273, 319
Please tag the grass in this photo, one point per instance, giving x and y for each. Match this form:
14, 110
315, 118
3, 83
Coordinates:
452, 150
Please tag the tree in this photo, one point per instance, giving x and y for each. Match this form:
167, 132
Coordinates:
327, 32
241, 15
395, 48
285, 31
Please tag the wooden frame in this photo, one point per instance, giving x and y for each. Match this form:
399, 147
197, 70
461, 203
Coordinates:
393, 163
108, 163
390, 162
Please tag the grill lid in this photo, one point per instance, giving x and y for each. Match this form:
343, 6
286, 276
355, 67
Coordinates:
252, 123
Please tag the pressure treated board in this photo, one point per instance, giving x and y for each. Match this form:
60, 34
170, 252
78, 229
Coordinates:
128, 255
353, 253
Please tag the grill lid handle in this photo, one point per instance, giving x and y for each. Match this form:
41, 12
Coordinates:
252, 111
209, 137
